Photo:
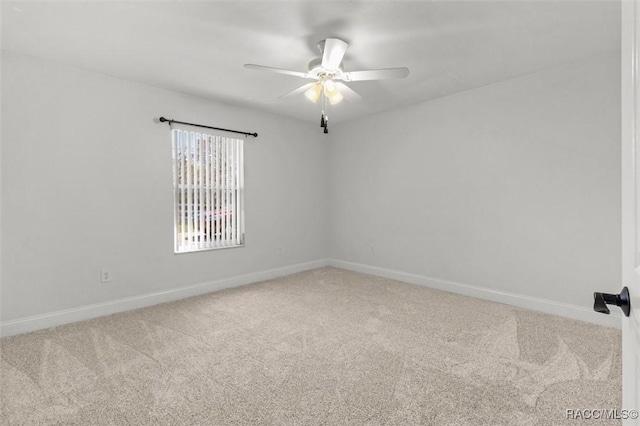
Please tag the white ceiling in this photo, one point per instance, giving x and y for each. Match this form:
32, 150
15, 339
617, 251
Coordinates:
200, 47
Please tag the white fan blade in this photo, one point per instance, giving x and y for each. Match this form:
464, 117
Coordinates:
348, 92
382, 74
334, 50
277, 70
300, 89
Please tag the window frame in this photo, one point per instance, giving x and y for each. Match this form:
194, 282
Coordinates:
222, 188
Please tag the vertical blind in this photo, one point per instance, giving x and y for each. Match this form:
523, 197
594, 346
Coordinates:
208, 191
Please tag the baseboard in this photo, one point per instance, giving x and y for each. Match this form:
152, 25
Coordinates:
52, 319
527, 302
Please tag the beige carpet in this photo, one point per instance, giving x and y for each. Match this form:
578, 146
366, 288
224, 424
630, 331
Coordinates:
325, 347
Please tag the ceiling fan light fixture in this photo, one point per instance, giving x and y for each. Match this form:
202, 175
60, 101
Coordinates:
331, 92
329, 88
329, 85
336, 97
313, 93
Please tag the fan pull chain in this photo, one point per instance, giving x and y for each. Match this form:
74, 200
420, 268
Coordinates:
324, 119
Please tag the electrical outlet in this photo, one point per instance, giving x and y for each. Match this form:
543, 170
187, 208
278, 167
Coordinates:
105, 276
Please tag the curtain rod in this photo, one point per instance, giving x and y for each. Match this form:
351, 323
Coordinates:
162, 120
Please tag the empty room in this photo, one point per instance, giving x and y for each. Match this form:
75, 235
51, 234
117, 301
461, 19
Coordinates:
320, 213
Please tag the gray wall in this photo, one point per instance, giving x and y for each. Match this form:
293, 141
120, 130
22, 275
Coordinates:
513, 187
87, 184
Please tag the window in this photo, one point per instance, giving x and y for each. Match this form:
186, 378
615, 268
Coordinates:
208, 180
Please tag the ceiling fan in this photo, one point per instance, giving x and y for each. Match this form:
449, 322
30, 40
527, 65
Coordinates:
329, 75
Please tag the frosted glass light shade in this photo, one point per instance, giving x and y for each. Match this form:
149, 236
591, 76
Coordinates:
336, 97
331, 92
329, 85
313, 93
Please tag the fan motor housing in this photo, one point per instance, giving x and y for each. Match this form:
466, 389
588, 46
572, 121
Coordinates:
316, 69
